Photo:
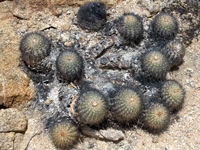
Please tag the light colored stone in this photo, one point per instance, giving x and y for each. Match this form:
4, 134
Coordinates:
91, 132
12, 120
66, 26
38, 139
60, 24
109, 134
112, 134
150, 6
21, 13
44, 27
18, 138
6, 141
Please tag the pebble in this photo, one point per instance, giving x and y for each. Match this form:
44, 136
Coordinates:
109, 134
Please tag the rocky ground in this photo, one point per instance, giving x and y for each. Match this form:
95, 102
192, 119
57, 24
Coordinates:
28, 99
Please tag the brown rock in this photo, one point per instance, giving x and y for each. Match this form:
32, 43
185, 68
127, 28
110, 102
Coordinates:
12, 120
5, 9
16, 90
16, 86
7, 141
58, 2
24, 8
1, 87
1, 93
36, 4
18, 138
21, 13
40, 4
109, 3
1, 100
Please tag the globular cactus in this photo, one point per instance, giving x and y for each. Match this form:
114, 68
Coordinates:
130, 27
69, 65
63, 133
175, 51
164, 26
155, 65
34, 48
126, 104
91, 107
172, 93
156, 117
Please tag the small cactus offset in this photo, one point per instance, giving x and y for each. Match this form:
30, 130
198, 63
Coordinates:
155, 65
34, 48
175, 51
69, 65
130, 27
156, 117
172, 93
63, 133
91, 107
164, 26
126, 104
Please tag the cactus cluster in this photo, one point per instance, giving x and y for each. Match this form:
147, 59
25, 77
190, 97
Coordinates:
127, 104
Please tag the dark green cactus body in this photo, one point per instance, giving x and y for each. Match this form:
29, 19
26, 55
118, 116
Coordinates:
91, 107
165, 26
155, 65
64, 134
172, 94
175, 51
130, 27
126, 104
34, 48
69, 65
156, 117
